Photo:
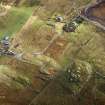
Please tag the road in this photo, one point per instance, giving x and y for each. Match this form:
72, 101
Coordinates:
95, 13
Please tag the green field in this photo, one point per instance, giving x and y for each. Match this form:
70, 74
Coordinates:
14, 20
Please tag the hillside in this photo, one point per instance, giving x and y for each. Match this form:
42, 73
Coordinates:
43, 64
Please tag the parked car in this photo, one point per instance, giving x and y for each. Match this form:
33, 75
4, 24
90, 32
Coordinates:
11, 53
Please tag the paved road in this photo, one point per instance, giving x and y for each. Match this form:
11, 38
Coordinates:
95, 13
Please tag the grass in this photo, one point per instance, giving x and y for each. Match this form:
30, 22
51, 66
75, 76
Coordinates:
10, 77
14, 20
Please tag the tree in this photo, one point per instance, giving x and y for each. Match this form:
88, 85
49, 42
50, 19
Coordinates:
33, 2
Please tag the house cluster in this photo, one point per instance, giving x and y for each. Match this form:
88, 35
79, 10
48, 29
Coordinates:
4, 46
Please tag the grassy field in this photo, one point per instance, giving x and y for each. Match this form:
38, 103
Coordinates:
14, 20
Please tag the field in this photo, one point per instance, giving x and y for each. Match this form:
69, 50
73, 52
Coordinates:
51, 67
13, 21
